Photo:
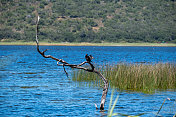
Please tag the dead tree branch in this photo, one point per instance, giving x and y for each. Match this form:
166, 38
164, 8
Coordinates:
63, 63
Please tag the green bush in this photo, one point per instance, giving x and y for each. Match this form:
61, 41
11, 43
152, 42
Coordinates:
126, 20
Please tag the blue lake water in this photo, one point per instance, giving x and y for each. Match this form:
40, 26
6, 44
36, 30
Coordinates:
31, 85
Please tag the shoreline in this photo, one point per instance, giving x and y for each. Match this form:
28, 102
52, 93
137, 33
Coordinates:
91, 44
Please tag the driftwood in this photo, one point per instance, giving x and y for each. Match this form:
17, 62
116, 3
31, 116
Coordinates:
63, 63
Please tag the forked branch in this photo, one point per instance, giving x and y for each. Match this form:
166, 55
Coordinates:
63, 63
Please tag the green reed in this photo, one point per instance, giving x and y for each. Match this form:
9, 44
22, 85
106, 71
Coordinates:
134, 77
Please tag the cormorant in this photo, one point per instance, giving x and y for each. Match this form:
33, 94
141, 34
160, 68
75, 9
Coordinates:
88, 58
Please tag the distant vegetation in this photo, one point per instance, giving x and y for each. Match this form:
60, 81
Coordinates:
89, 20
134, 77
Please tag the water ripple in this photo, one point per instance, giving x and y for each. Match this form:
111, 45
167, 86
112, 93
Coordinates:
31, 85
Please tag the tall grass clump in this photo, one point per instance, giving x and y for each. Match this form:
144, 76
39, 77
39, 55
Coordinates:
134, 77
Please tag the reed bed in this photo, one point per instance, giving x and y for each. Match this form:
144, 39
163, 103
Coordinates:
133, 77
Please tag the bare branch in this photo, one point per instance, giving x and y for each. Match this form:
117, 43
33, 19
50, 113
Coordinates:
65, 70
79, 66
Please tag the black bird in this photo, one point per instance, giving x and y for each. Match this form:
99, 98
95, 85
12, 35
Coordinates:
88, 58
91, 57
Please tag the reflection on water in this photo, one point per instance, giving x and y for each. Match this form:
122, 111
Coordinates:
34, 86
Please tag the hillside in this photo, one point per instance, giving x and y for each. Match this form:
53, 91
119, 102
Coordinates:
89, 20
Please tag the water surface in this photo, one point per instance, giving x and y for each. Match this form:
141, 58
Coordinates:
31, 85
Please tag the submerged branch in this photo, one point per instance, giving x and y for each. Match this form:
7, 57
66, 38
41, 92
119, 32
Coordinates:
79, 66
